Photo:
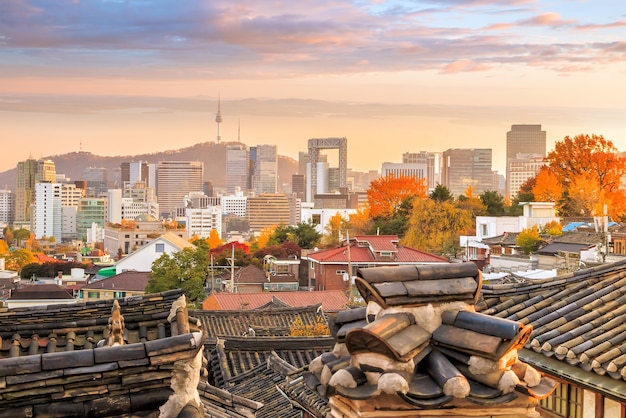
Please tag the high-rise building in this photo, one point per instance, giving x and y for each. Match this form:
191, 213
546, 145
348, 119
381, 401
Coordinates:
235, 204
524, 142
48, 213
315, 146
463, 167
132, 202
237, 168
7, 207
202, 214
430, 161
265, 163
520, 169
91, 210
298, 185
175, 180
416, 170
133, 172
267, 210
71, 194
29, 173
97, 179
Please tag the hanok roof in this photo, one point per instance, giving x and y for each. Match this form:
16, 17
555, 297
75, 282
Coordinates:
41, 291
263, 322
420, 340
579, 324
508, 238
234, 356
331, 300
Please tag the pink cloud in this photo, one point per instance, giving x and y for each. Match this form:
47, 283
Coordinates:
618, 24
463, 66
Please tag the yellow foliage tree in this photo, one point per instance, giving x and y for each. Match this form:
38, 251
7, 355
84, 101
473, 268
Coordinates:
214, 239
436, 226
360, 221
298, 329
333, 230
265, 235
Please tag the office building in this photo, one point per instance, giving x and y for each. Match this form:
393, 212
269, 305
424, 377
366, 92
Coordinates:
132, 172
521, 169
237, 168
264, 159
175, 180
464, 167
234, 204
339, 176
7, 207
97, 179
132, 202
267, 210
202, 214
91, 211
415, 170
29, 173
430, 160
48, 215
523, 142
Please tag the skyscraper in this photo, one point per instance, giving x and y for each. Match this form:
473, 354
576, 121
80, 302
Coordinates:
7, 207
237, 168
29, 173
463, 167
265, 179
175, 180
523, 142
48, 213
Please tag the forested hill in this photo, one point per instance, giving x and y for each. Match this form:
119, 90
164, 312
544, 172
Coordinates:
212, 154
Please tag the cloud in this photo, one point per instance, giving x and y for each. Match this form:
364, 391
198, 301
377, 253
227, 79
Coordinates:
464, 66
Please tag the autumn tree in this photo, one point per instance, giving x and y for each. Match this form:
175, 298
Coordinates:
17, 259
360, 222
588, 161
525, 194
547, 187
334, 231
471, 203
528, 240
436, 226
4, 247
553, 228
214, 239
8, 235
386, 194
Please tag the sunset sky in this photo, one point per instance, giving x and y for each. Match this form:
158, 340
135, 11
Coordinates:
117, 77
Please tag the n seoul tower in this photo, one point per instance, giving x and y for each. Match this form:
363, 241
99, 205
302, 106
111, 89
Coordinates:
218, 118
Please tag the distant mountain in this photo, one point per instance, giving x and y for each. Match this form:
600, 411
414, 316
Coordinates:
213, 156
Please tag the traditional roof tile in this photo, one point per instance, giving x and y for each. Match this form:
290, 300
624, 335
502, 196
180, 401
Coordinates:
578, 324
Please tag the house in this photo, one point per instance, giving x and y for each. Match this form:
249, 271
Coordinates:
142, 258
579, 330
44, 294
571, 250
332, 269
330, 300
126, 284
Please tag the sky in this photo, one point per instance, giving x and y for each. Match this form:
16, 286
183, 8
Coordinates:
116, 77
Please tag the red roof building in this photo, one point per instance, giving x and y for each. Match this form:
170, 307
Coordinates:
328, 269
332, 300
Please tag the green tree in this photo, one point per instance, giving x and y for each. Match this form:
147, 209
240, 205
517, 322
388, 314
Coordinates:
528, 240
494, 202
20, 235
441, 194
186, 269
304, 234
436, 227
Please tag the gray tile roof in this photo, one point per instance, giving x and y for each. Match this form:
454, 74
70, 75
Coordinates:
578, 320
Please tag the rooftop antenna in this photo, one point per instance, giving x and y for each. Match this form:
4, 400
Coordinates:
218, 118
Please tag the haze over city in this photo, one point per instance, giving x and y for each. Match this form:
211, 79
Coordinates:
128, 77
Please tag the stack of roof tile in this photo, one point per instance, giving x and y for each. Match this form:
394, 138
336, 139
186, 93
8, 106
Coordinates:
420, 345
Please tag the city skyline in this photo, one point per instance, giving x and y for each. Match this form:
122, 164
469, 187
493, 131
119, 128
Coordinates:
123, 78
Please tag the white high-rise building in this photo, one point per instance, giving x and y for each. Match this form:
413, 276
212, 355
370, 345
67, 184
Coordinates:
201, 217
175, 180
265, 178
235, 204
48, 212
7, 207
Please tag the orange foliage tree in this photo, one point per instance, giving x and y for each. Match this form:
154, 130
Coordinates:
360, 222
547, 187
589, 169
265, 235
386, 194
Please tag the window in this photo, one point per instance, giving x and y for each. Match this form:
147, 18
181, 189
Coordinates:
159, 248
119, 294
566, 401
484, 230
316, 219
93, 295
340, 272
